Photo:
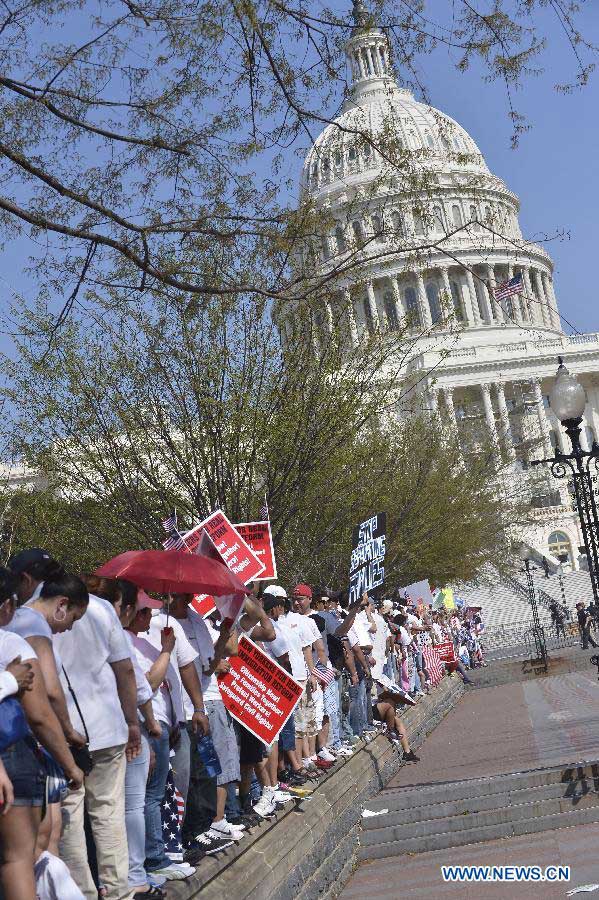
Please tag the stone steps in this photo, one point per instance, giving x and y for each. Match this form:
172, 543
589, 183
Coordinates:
440, 816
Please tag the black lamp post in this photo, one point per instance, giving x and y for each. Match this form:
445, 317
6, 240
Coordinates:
568, 400
538, 630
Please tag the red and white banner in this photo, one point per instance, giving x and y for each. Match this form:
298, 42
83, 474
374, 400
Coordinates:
237, 555
258, 692
203, 604
258, 536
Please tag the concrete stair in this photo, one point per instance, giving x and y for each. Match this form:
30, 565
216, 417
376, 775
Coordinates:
440, 816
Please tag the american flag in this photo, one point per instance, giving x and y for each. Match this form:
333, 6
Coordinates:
264, 510
434, 666
324, 675
509, 287
170, 524
173, 810
174, 542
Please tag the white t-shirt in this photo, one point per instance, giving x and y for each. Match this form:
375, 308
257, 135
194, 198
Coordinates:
361, 626
353, 637
28, 622
163, 704
297, 638
182, 655
405, 637
379, 645
202, 636
11, 646
280, 645
87, 651
144, 691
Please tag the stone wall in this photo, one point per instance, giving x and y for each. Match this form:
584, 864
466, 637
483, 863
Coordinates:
308, 851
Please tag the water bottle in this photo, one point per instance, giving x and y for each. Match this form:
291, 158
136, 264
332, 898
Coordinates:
209, 757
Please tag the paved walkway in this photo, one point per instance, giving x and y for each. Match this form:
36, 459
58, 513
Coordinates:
511, 728
508, 728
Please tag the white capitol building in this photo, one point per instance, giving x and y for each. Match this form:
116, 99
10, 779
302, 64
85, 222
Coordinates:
486, 360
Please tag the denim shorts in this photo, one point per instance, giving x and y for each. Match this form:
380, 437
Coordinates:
26, 771
287, 735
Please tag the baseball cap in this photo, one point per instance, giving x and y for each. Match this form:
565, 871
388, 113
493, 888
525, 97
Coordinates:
302, 590
144, 601
33, 558
272, 600
275, 590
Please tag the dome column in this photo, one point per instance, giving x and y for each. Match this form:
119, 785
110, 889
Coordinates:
447, 304
543, 423
399, 312
551, 301
328, 312
545, 312
535, 316
505, 423
495, 307
490, 417
448, 400
425, 313
472, 313
351, 319
515, 298
374, 312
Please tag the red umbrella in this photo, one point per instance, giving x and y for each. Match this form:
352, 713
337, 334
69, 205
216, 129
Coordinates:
174, 572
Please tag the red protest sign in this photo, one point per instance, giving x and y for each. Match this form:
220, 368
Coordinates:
203, 604
258, 536
258, 692
446, 651
235, 552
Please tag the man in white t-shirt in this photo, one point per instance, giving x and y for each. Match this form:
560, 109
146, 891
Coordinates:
205, 822
187, 682
96, 658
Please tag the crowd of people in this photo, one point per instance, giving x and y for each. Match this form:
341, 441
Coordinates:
109, 699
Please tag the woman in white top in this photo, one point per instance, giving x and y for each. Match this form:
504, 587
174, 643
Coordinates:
19, 825
59, 605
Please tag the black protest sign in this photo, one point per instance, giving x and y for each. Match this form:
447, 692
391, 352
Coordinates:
367, 566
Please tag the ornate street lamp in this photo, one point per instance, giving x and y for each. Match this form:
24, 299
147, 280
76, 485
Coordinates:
568, 400
537, 629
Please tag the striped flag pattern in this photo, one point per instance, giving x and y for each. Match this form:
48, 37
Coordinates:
324, 675
174, 541
510, 286
170, 523
434, 665
264, 514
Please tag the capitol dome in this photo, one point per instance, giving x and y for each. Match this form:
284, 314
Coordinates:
425, 235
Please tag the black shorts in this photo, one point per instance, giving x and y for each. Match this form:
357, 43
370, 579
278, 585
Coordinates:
251, 750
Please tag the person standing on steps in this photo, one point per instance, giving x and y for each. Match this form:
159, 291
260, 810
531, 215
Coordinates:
584, 626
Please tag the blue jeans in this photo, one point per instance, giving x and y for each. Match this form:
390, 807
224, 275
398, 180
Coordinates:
357, 707
331, 708
136, 777
346, 732
156, 858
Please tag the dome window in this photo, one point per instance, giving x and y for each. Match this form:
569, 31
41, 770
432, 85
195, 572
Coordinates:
411, 304
398, 224
456, 297
368, 315
340, 239
379, 231
418, 223
474, 218
358, 232
456, 144
326, 165
391, 311
438, 220
351, 154
429, 140
445, 142
456, 215
324, 243
434, 304
366, 150
337, 158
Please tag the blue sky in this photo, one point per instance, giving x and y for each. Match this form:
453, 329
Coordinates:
555, 170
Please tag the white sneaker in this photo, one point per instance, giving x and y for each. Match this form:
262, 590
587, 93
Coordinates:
265, 807
224, 829
175, 872
309, 763
281, 797
326, 754
344, 751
